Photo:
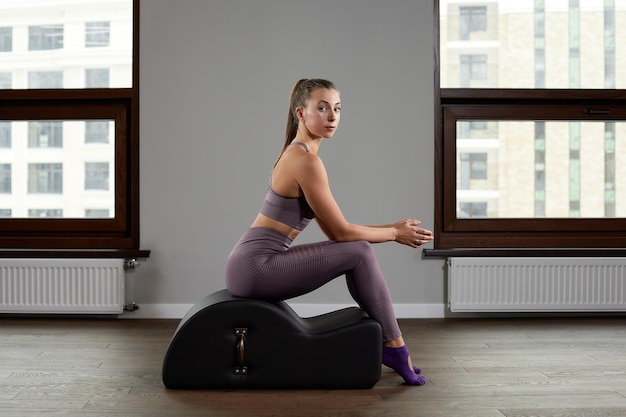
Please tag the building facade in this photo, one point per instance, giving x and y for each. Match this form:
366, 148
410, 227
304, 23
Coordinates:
537, 168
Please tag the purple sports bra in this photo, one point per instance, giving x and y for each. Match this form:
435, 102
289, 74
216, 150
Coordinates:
294, 211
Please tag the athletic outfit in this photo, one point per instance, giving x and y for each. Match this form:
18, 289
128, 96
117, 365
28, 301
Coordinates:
264, 264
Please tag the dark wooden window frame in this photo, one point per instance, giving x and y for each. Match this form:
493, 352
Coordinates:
516, 237
114, 237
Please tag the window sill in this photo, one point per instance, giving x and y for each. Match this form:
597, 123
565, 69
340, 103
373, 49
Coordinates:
74, 253
524, 253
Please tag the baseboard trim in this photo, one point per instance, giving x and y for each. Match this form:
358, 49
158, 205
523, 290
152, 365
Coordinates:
177, 311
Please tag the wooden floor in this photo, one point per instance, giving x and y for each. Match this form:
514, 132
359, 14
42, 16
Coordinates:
475, 367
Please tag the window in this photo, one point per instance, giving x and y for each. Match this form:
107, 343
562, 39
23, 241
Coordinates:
473, 68
473, 19
6, 39
5, 178
45, 134
45, 79
45, 178
69, 126
5, 80
531, 129
473, 209
97, 131
97, 176
42, 213
473, 167
5, 134
96, 213
97, 78
45, 37
97, 34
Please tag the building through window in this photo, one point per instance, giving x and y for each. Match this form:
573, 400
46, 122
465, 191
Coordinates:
531, 131
69, 124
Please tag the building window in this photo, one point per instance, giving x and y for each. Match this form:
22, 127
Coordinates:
48, 134
45, 79
96, 176
546, 168
97, 34
472, 210
97, 131
5, 134
6, 39
45, 213
70, 120
45, 37
5, 178
97, 78
473, 68
473, 129
6, 79
473, 166
45, 179
473, 19
96, 213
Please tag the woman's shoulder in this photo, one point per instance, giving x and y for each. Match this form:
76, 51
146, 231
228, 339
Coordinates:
300, 158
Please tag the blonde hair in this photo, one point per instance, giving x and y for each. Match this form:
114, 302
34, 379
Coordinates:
300, 94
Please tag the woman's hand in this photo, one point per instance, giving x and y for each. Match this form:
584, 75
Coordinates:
409, 233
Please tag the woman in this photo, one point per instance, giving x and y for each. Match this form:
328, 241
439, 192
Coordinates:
264, 265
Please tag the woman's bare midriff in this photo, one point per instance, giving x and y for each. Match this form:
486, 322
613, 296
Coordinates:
282, 228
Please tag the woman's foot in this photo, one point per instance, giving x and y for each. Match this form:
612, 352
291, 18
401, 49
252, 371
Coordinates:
397, 358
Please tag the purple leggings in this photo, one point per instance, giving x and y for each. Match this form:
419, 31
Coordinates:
263, 265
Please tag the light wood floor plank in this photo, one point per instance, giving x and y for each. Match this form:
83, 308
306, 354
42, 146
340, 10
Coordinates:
475, 367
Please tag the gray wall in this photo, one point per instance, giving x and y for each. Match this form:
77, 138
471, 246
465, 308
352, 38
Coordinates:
215, 83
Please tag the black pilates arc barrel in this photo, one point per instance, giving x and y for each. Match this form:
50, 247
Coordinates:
337, 350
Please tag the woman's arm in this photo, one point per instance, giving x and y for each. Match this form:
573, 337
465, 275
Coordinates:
313, 180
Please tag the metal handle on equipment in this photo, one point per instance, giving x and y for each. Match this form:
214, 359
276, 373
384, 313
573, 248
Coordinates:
241, 368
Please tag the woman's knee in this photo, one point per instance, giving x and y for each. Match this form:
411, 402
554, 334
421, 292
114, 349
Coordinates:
363, 249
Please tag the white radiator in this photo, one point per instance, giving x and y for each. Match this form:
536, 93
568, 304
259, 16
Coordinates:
62, 286
536, 284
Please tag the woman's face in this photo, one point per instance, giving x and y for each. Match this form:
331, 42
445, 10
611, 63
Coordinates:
320, 116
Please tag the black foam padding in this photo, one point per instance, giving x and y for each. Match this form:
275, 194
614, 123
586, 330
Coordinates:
337, 350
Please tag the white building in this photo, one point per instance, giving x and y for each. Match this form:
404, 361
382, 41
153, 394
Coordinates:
61, 168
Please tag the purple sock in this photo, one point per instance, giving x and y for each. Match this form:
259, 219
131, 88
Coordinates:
398, 360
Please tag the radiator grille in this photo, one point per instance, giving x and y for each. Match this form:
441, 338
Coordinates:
537, 284
64, 286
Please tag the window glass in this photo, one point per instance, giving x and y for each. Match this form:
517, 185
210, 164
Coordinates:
97, 34
5, 134
6, 39
45, 134
98, 131
57, 168
531, 169
6, 80
473, 20
45, 213
97, 78
532, 44
62, 46
96, 176
45, 178
45, 79
5, 178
